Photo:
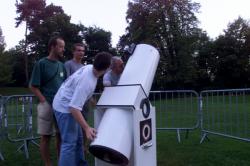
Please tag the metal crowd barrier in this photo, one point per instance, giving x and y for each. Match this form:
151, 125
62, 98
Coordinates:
21, 121
91, 107
2, 132
176, 110
226, 113
18, 117
220, 112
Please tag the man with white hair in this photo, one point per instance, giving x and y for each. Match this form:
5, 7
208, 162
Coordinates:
112, 76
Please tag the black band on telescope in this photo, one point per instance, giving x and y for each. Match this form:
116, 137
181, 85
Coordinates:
146, 112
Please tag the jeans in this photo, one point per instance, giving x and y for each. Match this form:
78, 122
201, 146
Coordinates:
71, 153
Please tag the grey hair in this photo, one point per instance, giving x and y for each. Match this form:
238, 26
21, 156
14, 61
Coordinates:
113, 60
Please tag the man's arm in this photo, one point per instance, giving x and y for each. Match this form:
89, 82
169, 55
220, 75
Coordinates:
89, 131
106, 80
92, 101
37, 93
67, 68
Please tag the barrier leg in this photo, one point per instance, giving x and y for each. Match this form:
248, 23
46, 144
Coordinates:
187, 132
25, 147
178, 135
204, 136
1, 156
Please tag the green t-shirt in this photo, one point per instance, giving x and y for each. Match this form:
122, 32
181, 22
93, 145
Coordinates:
48, 75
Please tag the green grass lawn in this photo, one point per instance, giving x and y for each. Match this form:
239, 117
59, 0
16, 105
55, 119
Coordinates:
171, 113
17, 158
218, 151
7, 91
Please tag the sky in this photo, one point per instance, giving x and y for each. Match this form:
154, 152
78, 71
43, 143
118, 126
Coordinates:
110, 15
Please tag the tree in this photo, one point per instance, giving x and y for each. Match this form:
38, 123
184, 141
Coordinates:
206, 63
55, 25
42, 22
5, 63
233, 52
97, 40
2, 43
28, 11
172, 27
5, 70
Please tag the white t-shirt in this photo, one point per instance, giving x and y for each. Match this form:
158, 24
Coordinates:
110, 79
77, 89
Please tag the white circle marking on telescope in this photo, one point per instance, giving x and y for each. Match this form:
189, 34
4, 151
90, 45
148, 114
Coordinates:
145, 109
145, 134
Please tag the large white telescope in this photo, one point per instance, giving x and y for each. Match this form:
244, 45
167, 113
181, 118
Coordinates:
124, 118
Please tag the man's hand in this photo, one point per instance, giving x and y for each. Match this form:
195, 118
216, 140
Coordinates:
92, 102
90, 133
38, 93
42, 99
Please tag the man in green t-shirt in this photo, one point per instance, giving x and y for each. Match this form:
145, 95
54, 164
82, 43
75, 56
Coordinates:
47, 76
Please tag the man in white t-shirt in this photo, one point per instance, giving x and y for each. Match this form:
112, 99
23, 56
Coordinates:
67, 105
112, 76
